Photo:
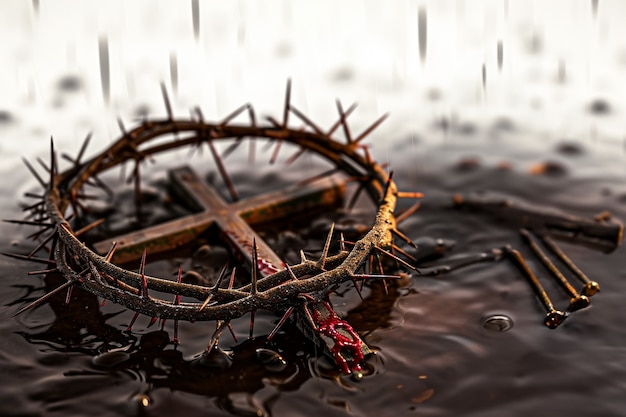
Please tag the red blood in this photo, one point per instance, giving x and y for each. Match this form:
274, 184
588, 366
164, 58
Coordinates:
350, 343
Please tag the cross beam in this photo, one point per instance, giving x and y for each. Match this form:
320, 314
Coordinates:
234, 221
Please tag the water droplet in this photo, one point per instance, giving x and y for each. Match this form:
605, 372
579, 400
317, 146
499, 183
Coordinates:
110, 359
498, 323
422, 28
272, 360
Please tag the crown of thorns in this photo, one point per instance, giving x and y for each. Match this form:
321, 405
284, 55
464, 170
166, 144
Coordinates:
294, 285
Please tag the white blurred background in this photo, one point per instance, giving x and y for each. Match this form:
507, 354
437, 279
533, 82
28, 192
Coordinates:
552, 69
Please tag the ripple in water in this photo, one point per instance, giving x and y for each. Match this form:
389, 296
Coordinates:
497, 323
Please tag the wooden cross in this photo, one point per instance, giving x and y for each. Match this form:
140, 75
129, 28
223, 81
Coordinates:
235, 222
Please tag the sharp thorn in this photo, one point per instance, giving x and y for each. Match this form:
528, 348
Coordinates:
89, 227
251, 334
339, 122
166, 100
394, 257
132, 322
43, 271
371, 128
255, 267
322, 262
142, 270
306, 120
41, 300
29, 258
111, 252
281, 322
222, 169
35, 174
287, 103
234, 114
403, 237
344, 123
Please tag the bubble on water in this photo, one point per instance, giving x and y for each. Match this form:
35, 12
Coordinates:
497, 323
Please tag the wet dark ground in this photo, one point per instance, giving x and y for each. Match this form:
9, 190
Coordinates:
434, 357
501, 99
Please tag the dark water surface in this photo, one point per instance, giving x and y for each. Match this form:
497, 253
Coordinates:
513, 98
434, 357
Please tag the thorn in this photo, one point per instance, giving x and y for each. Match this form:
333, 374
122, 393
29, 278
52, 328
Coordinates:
35, 174
281, 322
43, 271
339, 122
44, 298
287, 103
220, 278
232, 332
152, 321
232, 279
30, 223
342, 119
142, 268
206, 302
408, 212
403, 252
409, 194
318, 176
29, 258
82, 150
255, 267
68, 296
132, 322
355, 196
405, 238
89, 227
137, 178
387, 185
295, 156
394, 257
234, 114
380, 263
111, 251
374, 276
276, 150
322, 262
52, 164
303, 258
166, 100
358, 290
225, 177
43, 243
252, 313
341, 242
371, 128
179, 280
290, 271
306, 120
